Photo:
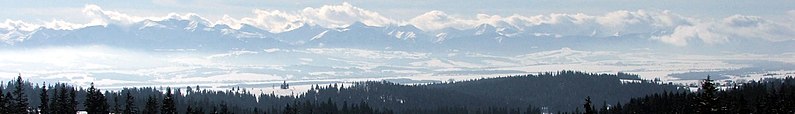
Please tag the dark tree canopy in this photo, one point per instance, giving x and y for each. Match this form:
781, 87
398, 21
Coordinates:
95, 103
544, 92
168, 103
19, 101
129, 106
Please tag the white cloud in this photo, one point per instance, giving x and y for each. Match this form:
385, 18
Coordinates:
104, 16
737, 26
271, 50
663, 25
640, 21
435, 20
231, 54
271, 20
791, 17
63, 25
336, 16
756, 27
329, 16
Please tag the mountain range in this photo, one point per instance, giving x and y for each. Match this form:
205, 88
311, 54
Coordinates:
201, 35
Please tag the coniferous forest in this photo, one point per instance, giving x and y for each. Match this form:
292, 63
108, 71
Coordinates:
554, 92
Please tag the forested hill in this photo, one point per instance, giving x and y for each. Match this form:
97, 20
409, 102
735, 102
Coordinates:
768, 96
564, 90
558, 91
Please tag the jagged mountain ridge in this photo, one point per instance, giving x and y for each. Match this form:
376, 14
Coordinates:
199, 34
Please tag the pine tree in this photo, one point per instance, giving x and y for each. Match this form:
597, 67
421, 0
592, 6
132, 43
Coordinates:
152, 106
96, 102
116, 105
532, 110
56, 106
290, 110
707, 100
224, 108
168, 103
588, 107
71, 101
43, 108
189, 110
3, 101
198, 110
617, 109
345, 109
604, 109
61, 102
129, 107
20, 100
256, 110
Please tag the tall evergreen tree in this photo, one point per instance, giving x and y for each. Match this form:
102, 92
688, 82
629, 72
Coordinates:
189, 109
96, 102
617, 108
604, 109
588, 106
168, 103
71, 101
116, 104
129, 107
707, 100
20, 100
224, 108
43, 106
290, 110
61, 103
152, 106
532, 110
3, 101
59, 96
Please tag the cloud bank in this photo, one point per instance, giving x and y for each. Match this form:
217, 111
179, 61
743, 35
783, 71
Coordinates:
664, 26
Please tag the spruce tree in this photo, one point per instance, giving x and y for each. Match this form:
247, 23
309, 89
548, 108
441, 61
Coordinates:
532, 110
129, 107
189, 109
617, 109
290, 110
43, 108
57, 95
152, 106
61, 103
20, 100
116, 104
71, 101
96, 103
588, 107
224, 108
3, 101
707, 100
256, 110
168, 103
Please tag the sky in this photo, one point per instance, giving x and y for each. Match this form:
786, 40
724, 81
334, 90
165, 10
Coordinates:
71, 11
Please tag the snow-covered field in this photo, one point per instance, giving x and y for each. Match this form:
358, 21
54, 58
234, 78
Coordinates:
262, 70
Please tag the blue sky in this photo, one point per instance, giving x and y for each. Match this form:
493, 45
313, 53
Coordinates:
33, 11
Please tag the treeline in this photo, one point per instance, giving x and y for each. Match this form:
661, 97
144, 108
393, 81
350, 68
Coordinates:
557, 91
532, 93
769, 96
